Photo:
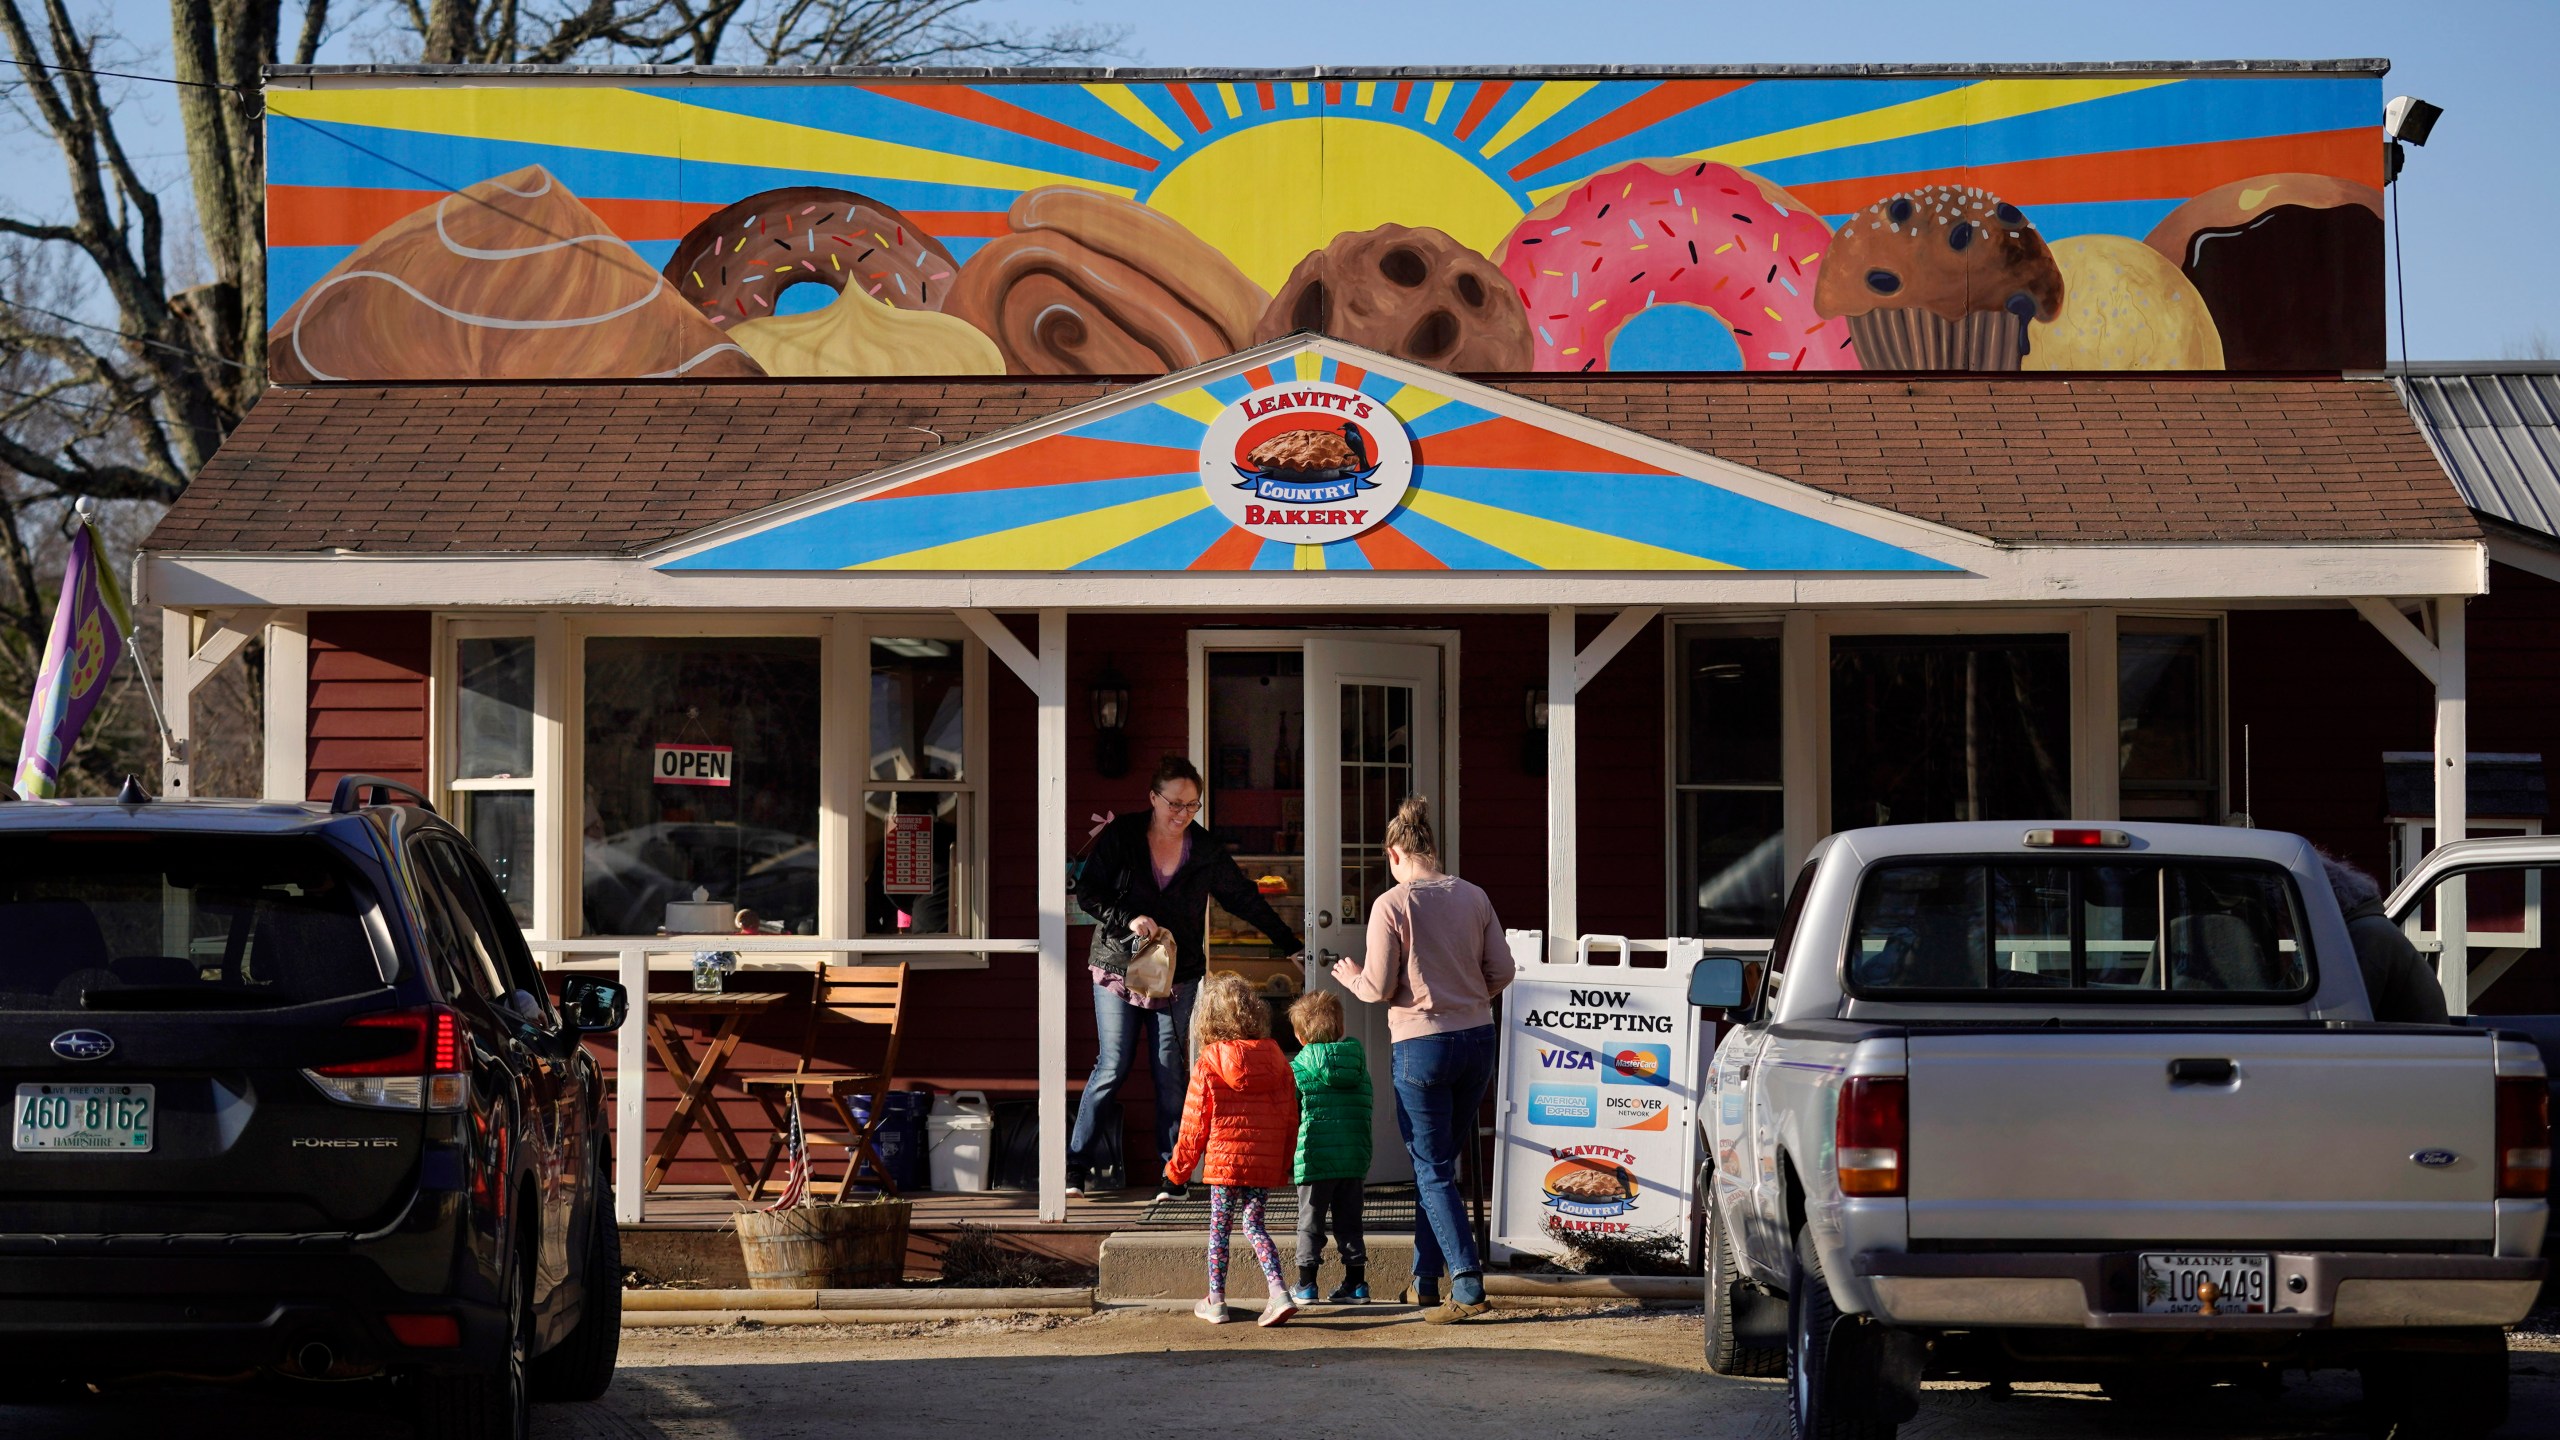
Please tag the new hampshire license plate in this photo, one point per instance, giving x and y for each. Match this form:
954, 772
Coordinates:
84, 1117
2173, 1284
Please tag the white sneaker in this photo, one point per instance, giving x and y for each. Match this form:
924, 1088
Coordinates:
1278, 1309
1214, 1311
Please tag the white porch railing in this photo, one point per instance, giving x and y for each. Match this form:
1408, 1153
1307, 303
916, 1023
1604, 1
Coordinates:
632, 960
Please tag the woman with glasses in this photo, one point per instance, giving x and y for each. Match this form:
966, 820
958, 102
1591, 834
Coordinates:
1156, 870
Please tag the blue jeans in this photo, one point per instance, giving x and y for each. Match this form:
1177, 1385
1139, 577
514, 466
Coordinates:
1440, 1085
1120, 1025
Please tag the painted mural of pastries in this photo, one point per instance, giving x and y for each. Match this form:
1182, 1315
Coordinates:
510, 279
2130, 310
2288, 264
1088, 284
1942, 278
857, 335
1651, 233
1413, 293
739, 260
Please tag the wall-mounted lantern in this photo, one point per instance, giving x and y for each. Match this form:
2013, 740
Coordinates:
1533, 745
1110, 723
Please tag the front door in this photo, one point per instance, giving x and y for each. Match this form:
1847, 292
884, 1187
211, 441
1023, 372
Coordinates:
1373, 737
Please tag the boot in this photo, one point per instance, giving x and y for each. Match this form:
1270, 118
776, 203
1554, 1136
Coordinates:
1354, 1289
1466, 1301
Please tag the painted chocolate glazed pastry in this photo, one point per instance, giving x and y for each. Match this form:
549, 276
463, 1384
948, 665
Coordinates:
2288, 264
513, 278
1414, 293
1942, 278
1089, 284
734, 264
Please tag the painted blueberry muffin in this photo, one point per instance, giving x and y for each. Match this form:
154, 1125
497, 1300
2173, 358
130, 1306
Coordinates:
1943, 278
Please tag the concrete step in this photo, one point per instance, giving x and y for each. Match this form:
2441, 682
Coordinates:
1144, 1266
1141, 1265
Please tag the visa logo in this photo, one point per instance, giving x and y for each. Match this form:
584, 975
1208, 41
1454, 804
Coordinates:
1566, 1059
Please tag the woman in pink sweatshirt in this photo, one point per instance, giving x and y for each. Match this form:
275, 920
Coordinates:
1436, 959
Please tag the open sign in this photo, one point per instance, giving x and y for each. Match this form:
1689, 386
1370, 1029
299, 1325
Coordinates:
693, 765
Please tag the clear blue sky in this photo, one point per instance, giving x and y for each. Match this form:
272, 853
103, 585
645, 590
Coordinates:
2481, 205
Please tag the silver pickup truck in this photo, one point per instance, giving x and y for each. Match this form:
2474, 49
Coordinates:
2103, 1102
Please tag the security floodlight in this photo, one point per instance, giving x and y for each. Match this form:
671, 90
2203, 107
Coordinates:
2410, 119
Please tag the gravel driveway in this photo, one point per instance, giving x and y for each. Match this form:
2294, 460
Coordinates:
1131, 1374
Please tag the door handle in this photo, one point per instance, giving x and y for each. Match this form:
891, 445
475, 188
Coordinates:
1324, 919
2203, 1072
1327, 958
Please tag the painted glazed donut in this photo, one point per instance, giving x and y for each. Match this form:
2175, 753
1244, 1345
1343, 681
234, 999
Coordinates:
733, 264
1674, 232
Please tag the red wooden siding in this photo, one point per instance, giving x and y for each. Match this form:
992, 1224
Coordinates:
368, 696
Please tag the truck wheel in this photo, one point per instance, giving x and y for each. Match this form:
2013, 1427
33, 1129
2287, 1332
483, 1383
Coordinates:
1835, 1369
1725, 1354
2431, 1395
580, 1367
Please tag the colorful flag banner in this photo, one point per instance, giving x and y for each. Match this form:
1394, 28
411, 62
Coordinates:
80, 654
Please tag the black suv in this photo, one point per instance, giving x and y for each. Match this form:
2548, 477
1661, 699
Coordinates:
289, 1098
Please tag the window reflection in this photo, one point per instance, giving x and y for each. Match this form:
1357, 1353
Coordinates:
919, 714
750, 843
1931, 728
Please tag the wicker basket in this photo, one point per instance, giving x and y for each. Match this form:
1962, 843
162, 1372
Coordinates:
825, 1247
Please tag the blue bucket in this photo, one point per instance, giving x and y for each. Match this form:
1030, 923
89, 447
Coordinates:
901, 1136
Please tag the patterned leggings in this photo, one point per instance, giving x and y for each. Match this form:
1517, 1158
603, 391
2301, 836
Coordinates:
1222, 1223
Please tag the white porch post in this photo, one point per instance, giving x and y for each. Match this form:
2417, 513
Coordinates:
287, 706
631, 1091
1052, 690
1564, 914
177, 687
2453, 798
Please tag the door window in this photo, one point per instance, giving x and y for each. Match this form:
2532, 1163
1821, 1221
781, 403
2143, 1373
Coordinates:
493, 778
1374, 777
1729, 793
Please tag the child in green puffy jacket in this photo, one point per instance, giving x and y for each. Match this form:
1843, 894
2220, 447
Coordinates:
1333, 1146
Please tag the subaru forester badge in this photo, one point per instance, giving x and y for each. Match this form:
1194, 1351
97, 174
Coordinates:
83, 1045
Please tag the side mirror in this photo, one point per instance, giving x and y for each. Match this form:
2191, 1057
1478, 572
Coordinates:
592, 1006
1716, 983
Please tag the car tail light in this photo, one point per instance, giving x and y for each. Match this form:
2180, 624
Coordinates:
425, 1332
2524, 1138
2079, 839
1874, 1134
425, 1074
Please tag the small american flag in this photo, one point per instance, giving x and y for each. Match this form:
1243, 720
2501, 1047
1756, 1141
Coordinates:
795, 1168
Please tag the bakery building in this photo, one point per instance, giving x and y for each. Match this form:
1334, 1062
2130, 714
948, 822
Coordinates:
816, 499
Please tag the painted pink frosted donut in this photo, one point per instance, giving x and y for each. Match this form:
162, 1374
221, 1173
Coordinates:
1674, 232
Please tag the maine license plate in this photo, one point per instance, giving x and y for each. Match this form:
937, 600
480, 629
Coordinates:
84, 1117
2171, 1284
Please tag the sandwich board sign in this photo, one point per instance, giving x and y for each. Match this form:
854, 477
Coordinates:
1599, 1096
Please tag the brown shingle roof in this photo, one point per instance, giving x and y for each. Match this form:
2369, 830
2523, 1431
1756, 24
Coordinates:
567, 469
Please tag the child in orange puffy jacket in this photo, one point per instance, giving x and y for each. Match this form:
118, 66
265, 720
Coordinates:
1239, 1125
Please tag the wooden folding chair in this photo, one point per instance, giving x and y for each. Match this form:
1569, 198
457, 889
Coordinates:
839, 994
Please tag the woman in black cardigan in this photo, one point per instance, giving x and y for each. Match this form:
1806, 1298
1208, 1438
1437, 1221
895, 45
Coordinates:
1155, 870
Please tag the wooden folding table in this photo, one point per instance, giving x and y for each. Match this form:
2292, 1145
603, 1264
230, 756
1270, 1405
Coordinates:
696, 1080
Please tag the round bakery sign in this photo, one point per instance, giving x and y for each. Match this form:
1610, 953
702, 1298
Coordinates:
1306, 464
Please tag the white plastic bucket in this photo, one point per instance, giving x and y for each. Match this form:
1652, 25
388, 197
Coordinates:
959, 1137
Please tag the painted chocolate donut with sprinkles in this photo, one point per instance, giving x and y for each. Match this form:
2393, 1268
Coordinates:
1674, 232
734, 265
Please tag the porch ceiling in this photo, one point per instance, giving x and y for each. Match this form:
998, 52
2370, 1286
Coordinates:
609, 470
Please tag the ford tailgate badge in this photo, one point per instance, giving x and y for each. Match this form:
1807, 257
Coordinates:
83, 1045
2433, 1159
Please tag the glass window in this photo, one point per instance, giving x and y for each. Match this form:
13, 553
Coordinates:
913, 840
2183, 931
702, 759
493, 780
176, 922
1729, 807
1930, 728
493, 708
919, 711
2168, 720
498, 951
